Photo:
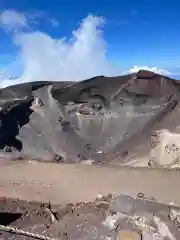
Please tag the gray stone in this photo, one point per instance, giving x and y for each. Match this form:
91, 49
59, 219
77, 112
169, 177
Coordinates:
140, 206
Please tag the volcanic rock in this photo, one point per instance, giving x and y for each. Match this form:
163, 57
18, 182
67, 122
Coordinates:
43, 120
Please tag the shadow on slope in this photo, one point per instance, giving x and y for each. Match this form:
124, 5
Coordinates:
12, 119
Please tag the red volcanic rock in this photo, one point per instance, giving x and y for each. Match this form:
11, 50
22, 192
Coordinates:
153, 84
145, 74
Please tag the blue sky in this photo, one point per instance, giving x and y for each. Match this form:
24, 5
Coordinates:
135, 32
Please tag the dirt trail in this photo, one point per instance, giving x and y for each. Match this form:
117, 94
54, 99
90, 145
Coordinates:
74, 183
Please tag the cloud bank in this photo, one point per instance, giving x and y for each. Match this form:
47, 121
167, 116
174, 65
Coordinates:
45, 58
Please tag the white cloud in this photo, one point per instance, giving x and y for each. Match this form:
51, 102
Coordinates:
54, 22
4, 82
12, 20
80, 57
154, 69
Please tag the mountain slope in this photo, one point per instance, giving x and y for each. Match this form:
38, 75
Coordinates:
92, 119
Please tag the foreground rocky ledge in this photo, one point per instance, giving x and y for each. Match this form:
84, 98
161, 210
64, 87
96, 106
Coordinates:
86, 202
107, 218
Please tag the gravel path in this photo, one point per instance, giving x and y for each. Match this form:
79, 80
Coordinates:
61, 183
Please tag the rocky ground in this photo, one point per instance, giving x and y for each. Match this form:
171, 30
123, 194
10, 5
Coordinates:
120, 218
85, 202
120, 122
70, 222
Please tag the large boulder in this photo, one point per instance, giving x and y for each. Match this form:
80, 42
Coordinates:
165, 147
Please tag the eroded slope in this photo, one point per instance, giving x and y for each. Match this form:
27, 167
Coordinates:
96, 119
